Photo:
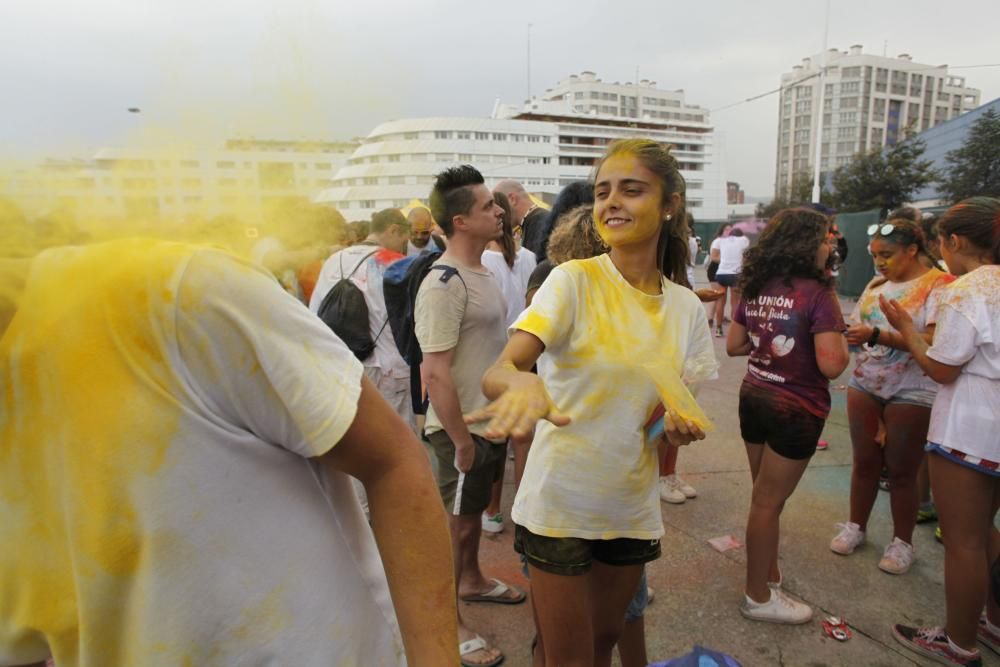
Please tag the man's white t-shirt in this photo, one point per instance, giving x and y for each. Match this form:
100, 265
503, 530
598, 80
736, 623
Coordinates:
731, 249
513, 281
371, 262
612, 354
161, 499
964, 416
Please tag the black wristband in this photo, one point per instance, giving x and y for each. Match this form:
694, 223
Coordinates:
873, 339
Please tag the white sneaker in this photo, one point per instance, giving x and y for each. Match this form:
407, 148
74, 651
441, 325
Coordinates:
493, 524
779, 609
897, 558
848, 539
676, 482
670, 492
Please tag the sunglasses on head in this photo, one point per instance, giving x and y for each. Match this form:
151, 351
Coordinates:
885, 229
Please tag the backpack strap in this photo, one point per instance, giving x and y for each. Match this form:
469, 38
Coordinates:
356, 266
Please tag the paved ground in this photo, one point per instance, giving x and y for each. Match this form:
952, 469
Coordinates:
698, 590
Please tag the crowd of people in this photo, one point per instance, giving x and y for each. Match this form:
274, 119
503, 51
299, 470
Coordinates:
314, 459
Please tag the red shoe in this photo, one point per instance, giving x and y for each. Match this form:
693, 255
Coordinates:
822, 445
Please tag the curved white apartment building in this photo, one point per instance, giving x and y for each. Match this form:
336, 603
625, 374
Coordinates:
549, 143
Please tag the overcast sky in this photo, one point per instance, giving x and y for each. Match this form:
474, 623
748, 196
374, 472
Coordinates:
207, 69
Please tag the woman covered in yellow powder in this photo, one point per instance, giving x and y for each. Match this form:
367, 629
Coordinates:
614, 338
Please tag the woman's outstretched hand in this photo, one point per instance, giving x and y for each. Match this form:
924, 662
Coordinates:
518, 409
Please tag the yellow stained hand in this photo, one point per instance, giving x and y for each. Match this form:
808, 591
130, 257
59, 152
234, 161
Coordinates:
518, 409
679, 431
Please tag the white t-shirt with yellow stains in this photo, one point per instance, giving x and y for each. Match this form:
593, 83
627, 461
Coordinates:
160, 502
612, 354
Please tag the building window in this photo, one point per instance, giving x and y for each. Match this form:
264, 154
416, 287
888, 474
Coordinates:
410, 136
482, 136
394, 158
396, 180
370, 180
464, 135
442, 134
464, 157
849, 103
367, 203
499, 136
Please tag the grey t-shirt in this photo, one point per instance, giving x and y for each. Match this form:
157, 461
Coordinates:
468, 317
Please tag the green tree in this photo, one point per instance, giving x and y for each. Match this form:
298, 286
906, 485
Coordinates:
974, 169
796, 194
882, 177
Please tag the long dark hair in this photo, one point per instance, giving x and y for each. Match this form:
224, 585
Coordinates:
786, 249
672, 247
978, 220
507, 245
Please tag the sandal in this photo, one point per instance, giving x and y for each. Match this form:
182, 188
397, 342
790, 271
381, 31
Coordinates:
498, 595
477, 643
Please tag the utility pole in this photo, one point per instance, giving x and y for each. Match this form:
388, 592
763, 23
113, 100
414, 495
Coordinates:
819, 111
529, 64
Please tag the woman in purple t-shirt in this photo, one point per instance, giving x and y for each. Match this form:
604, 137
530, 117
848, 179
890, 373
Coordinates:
790, 324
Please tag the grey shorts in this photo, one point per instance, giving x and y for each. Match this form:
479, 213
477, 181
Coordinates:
467, 493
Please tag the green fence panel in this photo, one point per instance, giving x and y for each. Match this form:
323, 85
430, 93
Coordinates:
858, 270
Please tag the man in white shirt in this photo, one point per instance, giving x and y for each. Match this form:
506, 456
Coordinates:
365, 264
191, 504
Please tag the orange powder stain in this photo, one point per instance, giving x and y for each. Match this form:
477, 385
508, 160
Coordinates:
75, 444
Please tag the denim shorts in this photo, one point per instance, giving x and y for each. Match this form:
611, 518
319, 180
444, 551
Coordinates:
727, 279
922, 397
637, 607
990, 468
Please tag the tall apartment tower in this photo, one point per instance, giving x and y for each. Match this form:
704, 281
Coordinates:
868, 101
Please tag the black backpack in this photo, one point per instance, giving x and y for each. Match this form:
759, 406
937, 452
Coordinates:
400, 285
345, 311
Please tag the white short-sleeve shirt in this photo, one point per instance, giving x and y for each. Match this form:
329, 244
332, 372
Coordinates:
174, 512
964, 416
612, 354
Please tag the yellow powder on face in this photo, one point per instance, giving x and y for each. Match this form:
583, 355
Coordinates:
74, 447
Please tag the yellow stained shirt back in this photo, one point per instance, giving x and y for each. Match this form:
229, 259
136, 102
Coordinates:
157, 503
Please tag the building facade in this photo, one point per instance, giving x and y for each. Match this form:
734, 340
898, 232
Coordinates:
941, 140
865, 101
551, 141
243, 176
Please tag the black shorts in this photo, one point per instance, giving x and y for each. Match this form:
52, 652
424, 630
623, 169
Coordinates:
782, 423
713, 267
571, 556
